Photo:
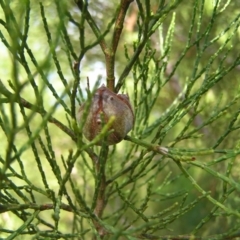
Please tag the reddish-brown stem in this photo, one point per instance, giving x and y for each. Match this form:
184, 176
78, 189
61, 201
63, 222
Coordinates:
100, 201
119, 23
109, 52
110, 63
101, 194
100, 206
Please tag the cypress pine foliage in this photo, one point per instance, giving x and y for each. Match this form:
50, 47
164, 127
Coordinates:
175, 175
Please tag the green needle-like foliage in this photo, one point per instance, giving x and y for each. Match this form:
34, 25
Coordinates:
175, 175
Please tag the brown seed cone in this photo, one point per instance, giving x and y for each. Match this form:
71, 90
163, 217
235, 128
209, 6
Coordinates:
108, 104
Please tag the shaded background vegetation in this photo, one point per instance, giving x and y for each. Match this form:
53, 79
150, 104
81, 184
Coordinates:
184, 88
